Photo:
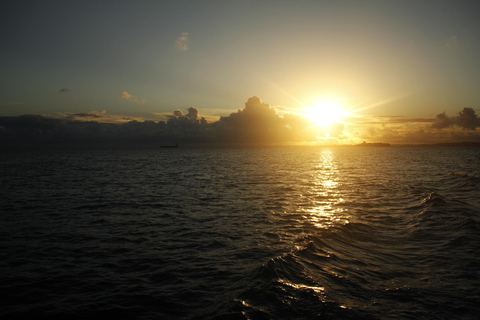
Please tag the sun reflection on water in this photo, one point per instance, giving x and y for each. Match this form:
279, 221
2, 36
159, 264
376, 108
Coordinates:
325, 212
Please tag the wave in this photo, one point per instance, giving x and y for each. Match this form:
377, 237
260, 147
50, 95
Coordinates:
247, 234
358, 270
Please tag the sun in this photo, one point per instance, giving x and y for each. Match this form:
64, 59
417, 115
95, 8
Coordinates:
325, 112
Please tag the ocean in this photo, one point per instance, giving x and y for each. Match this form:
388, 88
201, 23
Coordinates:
240, 233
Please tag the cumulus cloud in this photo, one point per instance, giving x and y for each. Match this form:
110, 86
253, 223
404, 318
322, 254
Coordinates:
178, 113
466, 119
131, 99
64, 90
442, 121
182, 42
192, 113
190, 118
397, 130
257, 123
125, 95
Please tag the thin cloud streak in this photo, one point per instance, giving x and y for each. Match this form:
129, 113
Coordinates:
132, 99
182, 42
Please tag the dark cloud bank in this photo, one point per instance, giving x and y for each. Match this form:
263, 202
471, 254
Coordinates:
257, 124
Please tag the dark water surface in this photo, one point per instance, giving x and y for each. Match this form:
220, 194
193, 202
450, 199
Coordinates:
241, 233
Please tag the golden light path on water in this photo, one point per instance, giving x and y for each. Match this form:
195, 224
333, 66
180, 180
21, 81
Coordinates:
325, 213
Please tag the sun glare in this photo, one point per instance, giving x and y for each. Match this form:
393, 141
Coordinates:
325, 112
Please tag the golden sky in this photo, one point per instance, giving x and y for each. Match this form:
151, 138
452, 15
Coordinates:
387, 69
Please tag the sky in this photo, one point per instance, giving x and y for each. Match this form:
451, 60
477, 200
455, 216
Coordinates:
399, 71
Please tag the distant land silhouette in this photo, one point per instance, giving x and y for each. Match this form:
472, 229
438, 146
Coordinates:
445, 144
376, 144
383, 144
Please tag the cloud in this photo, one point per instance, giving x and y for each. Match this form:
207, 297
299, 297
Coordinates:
398, 119
466, 119
90, 114
97, 116
442, 121
125, 95
64, 90
256, 124
192, 116
259, 124
192, 113
178, 113
39, 130
168, 115
424, 136
397, 130
131, 99
182, 42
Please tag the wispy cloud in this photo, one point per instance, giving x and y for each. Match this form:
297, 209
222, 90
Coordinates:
97, 116
182, 42
90, 114
131, 99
